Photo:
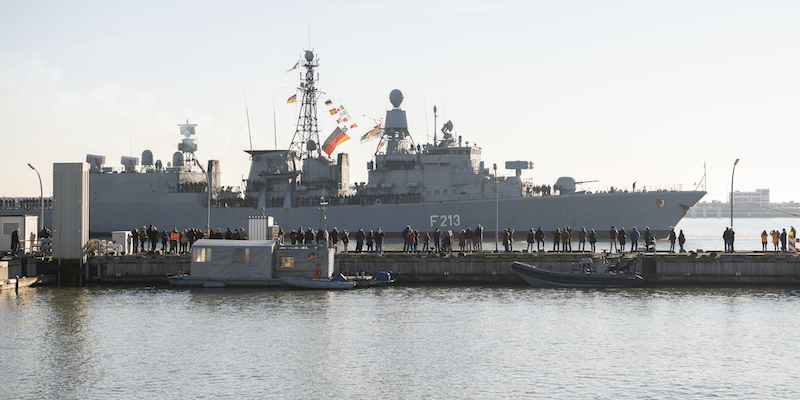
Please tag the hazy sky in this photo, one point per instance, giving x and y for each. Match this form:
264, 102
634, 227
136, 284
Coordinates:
615, 91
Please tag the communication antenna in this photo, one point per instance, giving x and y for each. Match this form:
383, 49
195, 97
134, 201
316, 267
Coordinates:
247, 112
434, 125
306, 136
274, 122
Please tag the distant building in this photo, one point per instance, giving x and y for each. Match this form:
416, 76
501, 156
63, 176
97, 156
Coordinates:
745, 205
759, 198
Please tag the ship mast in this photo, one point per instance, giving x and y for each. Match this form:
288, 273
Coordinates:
306, 137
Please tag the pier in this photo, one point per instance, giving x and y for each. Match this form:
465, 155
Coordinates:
659, 269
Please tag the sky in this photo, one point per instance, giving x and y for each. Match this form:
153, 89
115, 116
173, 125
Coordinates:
661, 93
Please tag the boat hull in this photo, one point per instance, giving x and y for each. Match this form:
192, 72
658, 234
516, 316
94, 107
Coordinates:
538, 277
599, 211
16, 283
310, 283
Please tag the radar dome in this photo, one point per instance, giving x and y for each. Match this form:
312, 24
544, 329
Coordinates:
177, 159
450, 126
309, 55
396, 97
147, 157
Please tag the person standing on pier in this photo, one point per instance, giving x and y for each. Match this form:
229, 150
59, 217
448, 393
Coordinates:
370, 240
582, 239
360, 240
764, 241
15, 241
726, 237
479, 238
775, 237
622, 236
407, 239
426, 240
345, 239
379, 234
671, 239
437, 236
634, 239
530, 240
539, 238
334, 238
783, 240
681, 240
173, 240
510, 239
592, 239
613, 234
469, 238
556, 239
566, 237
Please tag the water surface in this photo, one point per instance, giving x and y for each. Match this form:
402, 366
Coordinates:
400, 342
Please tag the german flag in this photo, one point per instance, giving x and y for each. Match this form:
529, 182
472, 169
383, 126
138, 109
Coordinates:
336, 138
292, 99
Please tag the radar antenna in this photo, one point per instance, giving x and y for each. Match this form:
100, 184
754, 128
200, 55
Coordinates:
188, 145
306, 137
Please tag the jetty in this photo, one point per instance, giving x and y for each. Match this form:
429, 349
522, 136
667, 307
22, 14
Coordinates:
658, 268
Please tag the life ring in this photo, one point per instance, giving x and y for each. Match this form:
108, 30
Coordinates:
317, 272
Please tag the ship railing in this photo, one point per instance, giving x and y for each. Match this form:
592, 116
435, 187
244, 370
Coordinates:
635, 189
25, 203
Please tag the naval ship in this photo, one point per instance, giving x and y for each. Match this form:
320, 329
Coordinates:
440, 185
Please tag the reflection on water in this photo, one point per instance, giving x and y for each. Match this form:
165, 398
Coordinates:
406, 342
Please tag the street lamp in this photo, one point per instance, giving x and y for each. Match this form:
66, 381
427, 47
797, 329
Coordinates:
496, 213
732, 172
41, 197
208, 189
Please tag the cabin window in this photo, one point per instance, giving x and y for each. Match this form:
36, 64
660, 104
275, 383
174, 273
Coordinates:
241, 256
10, 227
286, 263
201, 255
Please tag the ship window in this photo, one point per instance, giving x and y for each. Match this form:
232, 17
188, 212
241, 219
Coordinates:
201, 255
436, 192
286, 263
427, 192
9, 228
241, 256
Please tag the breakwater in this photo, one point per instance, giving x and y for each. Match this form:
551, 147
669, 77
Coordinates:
659, 269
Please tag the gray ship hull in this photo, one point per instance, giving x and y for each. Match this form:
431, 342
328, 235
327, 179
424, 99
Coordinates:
597, 211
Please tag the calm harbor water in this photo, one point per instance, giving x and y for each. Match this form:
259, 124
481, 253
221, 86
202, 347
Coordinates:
399, 342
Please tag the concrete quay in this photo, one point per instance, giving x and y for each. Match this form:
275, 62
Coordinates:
659, 269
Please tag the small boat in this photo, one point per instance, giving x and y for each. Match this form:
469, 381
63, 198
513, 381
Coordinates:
382, 278
316, 283
585, 277
16, 283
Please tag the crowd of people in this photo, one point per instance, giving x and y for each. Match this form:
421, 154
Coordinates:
174, 241
441, 241
781, 238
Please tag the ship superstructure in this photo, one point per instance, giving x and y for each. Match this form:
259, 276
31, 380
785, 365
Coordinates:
440, 185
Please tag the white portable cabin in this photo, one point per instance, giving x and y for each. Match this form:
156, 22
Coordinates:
233, 259
28, 231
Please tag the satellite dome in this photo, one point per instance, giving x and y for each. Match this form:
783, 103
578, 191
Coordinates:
396, 97
177, 159
147, 157
309, 55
